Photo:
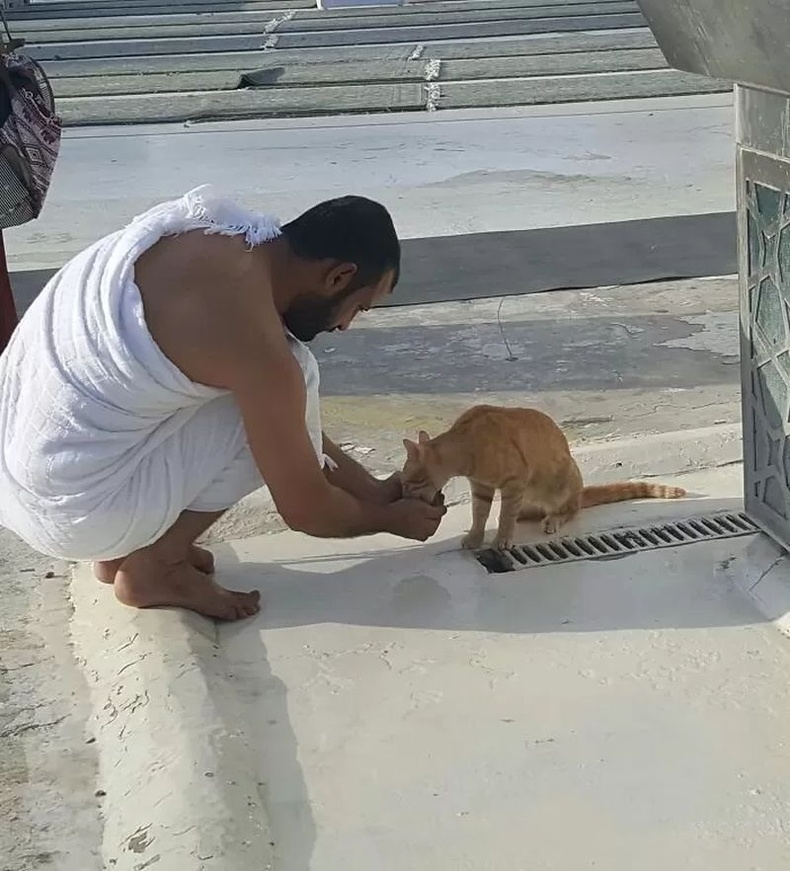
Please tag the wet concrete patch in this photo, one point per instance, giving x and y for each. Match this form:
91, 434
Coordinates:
588, 353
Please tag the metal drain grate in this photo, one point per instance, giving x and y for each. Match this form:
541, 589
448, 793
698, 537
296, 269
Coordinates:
616, 543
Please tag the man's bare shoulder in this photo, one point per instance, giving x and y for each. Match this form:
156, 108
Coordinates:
208, 301
192, 264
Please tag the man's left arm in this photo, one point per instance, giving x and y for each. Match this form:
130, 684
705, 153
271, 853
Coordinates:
355, 479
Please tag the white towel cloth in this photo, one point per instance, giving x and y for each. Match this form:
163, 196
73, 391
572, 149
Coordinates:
103, 441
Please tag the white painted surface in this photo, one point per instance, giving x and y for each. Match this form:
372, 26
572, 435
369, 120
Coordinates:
446, 174
410, 711
172, 761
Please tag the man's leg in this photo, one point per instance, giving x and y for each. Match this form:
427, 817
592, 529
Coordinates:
172, 570
163, 574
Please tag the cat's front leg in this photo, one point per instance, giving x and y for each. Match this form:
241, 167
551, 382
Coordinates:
482, 497
512, 497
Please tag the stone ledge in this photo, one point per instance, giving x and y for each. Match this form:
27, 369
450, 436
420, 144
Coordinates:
173, 759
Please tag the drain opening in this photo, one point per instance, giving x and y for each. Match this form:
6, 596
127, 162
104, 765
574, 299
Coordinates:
616, 543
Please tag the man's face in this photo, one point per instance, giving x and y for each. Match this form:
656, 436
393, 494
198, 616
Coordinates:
312, 313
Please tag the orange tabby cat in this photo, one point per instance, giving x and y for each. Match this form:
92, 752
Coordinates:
522, 453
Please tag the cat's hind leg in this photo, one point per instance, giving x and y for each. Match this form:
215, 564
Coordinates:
530, 513
482, 497
557, 516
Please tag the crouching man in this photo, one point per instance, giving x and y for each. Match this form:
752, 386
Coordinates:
162, 375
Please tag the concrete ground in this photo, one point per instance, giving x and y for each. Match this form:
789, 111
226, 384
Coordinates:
621, 368
396, 706
157, 740
50, 812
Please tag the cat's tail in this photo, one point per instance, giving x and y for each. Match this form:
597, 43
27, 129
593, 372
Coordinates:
623, 491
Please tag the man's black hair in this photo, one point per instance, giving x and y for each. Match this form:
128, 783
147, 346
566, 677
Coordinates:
349, 230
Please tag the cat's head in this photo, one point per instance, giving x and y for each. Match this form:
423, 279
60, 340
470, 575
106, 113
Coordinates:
423, 475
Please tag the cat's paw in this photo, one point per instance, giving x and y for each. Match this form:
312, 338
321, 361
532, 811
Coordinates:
550, 526
502, 542
472, 541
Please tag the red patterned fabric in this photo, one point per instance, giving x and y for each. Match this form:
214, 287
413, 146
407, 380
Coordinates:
29, 140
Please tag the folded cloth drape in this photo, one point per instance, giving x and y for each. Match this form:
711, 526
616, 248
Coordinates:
103, 441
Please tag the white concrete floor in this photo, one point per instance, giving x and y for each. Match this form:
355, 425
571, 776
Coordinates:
409, 710
446, 174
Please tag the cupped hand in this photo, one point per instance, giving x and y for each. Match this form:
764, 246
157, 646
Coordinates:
388, 490
414, 519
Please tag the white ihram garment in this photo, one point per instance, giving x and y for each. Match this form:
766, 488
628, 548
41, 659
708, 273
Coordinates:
103, 441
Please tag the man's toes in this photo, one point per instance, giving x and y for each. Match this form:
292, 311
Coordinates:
247, 604
251, 608
106, 570
242, 610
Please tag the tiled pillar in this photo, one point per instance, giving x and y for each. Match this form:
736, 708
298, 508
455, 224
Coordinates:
763, 180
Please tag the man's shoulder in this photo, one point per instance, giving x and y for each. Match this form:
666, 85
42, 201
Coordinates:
208, 299
214, 252
197, 264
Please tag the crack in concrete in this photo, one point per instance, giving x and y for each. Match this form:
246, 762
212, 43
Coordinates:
16, 731
770, 568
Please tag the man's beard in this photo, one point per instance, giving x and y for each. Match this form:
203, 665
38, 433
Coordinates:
311, 314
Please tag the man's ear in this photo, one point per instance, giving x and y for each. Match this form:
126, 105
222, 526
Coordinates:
423, 437
340, 276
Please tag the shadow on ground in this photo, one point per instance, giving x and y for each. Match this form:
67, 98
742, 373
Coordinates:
438, 586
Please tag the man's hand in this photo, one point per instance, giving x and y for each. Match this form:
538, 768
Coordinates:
414, 519
388, 490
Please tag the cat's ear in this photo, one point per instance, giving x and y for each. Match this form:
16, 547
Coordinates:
423, 437
412, 449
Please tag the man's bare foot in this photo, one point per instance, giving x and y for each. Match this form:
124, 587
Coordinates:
106, 570
145, 582
199, 557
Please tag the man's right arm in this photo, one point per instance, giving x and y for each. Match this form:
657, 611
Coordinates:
227, 333
269, 388
271, 397
272, 402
